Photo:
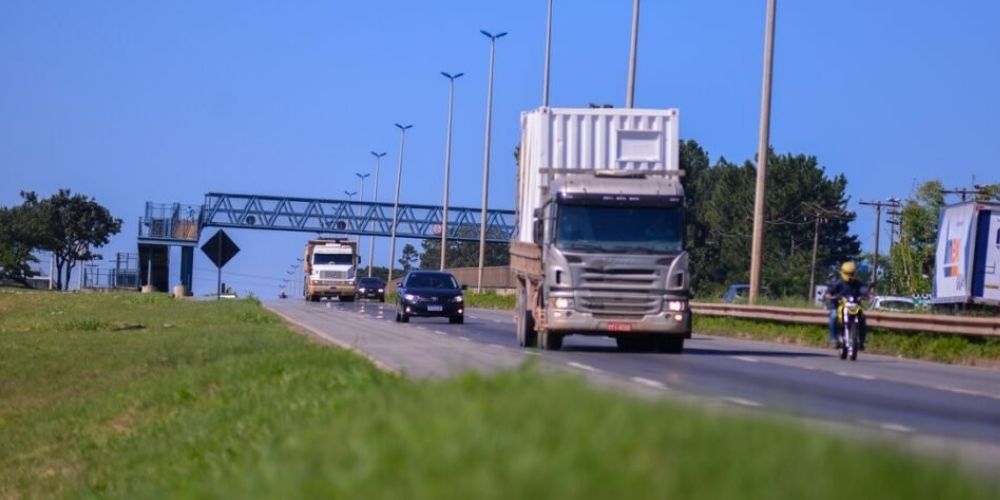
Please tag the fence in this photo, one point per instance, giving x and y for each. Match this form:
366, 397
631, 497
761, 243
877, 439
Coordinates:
937, 323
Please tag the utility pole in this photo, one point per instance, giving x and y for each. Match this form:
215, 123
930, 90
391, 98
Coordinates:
976, 191
879, 205
757, 241
812, 268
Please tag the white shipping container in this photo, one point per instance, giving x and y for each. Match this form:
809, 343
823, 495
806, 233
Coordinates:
564, 141
991, 268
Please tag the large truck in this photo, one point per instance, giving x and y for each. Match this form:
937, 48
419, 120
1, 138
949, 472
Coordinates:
600, 242
331, 266
967, 262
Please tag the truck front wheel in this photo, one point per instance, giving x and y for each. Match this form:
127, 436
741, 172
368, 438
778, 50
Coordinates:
524, 321
550, 341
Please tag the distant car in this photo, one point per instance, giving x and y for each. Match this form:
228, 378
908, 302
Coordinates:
371, 288
738, 294
430, 293
891, 303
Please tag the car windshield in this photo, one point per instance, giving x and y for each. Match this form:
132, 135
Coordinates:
896, 304
320, 259
431, 281
614, 228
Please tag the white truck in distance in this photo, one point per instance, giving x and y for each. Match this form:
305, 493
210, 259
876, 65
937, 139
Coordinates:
331, 266
600, 243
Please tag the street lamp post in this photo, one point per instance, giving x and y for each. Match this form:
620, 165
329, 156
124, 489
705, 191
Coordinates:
630, 91
371, 240
548, 57
361, 198
757, 241
447, 164
486, 156
395, 205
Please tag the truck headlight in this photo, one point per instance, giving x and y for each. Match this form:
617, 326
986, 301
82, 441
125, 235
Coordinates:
676, 305
564, 303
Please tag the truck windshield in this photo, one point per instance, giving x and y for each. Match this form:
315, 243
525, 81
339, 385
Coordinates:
614, 228
342, 259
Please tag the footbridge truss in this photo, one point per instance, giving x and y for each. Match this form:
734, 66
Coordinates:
182, 224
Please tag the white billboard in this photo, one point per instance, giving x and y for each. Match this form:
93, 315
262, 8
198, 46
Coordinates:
953, 261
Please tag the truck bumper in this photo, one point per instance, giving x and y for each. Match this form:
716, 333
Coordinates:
668, 323
333, 290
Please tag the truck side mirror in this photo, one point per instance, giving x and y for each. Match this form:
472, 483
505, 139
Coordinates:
538, 227
465, 287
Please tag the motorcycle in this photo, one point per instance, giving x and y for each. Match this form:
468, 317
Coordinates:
849, 314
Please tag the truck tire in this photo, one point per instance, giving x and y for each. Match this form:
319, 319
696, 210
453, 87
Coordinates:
632, 343
550, 341
670, 345
314, 298
524, 321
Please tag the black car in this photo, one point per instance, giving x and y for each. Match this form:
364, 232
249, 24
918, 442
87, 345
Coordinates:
430, 293
371, 288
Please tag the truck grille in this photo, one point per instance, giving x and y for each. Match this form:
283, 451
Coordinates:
619, 293
332, 275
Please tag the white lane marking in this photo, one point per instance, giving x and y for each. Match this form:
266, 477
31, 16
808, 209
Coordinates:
961, 391
861, 376
496, 346
647, 382
748, 359
743, 402
467, 339
890, 426
582, 366
498, 321
533, 353
421, 328
439, 332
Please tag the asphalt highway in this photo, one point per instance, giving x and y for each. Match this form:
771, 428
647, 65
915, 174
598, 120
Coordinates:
950, 411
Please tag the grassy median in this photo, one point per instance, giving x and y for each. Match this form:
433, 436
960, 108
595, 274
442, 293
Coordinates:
127, 395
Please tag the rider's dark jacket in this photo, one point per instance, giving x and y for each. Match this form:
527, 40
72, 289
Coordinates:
840, 288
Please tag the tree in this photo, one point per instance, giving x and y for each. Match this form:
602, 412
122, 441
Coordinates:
17, 239
913, 255
720, 220
71, 226
409, 258
464, 253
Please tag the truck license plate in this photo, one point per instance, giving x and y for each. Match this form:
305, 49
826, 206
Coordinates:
434, 309
619, 327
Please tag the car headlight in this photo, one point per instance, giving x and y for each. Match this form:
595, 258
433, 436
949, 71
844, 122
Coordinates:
362, 290
564, 303
409, 296
380, 290
458, 299
676, 305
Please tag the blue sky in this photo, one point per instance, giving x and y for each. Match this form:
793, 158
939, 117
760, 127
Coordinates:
135, 101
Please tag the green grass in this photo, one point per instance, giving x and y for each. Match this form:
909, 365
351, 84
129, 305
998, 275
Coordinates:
219, 399
490, 300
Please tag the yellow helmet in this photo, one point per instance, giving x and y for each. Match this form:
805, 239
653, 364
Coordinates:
847, 270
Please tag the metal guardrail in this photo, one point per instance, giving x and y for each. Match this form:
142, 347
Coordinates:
936, 323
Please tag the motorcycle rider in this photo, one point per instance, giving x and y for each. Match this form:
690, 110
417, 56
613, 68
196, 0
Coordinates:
844, 286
